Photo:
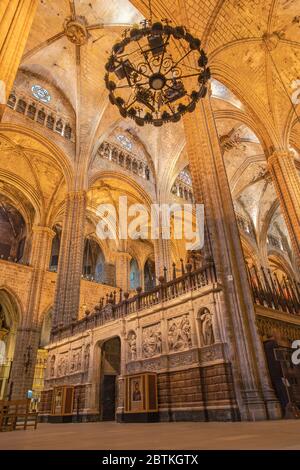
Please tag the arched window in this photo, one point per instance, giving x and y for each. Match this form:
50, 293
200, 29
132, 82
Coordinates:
147, 173
50, 122
134, 166
134, 274
93, 261
31, 111
41, 116
21, 106
55, 248
11, 102
149, 275
68, 132
121, 159
46, 329
12, 231
99, 268
59, 126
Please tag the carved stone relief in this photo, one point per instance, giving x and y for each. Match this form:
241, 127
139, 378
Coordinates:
179, 333
76, 360
62, 366
151, 340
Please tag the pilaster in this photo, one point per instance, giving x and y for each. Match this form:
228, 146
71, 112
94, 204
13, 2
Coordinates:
162, 257
67, 293
16, 17
286, 180
123, 270
28, 334
210, 184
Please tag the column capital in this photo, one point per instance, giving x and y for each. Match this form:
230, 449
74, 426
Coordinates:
40, 229
280, 154
80, 194
125, 254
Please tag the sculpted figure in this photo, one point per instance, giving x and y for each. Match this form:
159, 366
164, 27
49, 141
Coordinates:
206, 327
132, 345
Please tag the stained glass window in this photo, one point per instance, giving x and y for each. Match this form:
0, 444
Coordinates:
185, 176
125, 141
41, 93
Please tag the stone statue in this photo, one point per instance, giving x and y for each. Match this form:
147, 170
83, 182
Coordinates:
132, 345
87, 356
172, 333
206, 327
186, 331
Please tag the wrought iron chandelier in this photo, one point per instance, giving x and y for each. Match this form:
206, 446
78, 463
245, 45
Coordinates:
156, 73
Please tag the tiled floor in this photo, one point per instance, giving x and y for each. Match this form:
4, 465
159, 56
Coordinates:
112, 436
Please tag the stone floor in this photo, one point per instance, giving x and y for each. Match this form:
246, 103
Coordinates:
112, 436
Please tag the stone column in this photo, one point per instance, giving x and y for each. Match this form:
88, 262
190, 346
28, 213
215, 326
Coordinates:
254, 393
67, 292
16, 18
123, 270
28, 334
285, 176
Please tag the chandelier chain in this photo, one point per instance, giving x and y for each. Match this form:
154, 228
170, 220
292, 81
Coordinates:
150, 10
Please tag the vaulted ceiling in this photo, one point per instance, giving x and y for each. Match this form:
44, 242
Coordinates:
254, 54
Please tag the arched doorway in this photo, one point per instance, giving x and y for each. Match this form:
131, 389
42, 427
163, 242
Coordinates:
9, 318
110, 369
149, 274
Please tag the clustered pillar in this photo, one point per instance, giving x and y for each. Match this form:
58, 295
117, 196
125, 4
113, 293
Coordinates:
28, 334
163, 257
286, 180
16, 18
67, 294
255, 395
123, 270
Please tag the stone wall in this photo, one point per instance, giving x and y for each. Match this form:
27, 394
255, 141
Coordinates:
16, 279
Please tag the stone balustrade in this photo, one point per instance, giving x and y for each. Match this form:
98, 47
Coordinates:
128, 161
41, 113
